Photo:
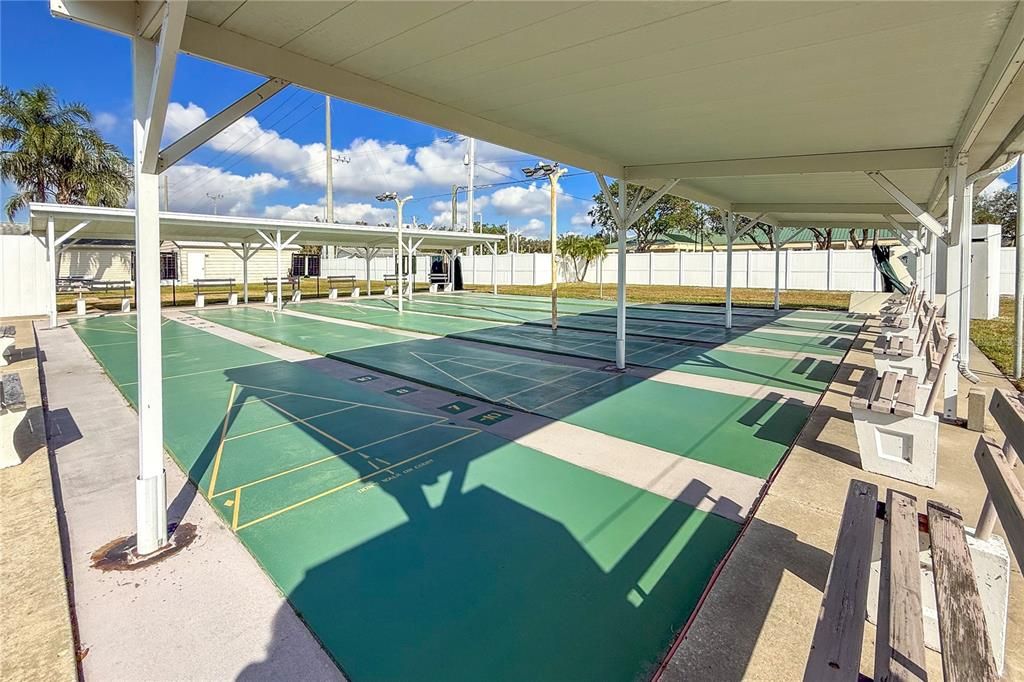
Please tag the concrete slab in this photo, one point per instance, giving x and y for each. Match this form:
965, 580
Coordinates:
208, 612
758, 619
35, 622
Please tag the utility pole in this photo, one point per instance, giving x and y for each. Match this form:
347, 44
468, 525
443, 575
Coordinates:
330, 159
552, 172
470, 161
399, 274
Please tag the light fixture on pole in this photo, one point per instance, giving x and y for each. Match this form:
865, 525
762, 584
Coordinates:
552, 172
215, 198
399, 274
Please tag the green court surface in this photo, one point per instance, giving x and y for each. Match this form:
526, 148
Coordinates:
807, 374
742, 434
791, 320
819, 343
415, 548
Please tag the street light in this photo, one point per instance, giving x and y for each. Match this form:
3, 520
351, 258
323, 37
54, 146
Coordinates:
552, 172
399, 202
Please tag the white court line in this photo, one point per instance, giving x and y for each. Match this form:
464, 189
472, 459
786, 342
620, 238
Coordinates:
531, 388
207, 371
586, 388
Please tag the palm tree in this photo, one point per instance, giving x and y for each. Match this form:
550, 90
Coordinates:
52, 153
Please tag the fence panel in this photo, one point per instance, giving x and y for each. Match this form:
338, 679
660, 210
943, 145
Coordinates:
23, 276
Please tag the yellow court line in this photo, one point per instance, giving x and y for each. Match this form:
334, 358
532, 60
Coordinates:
207, 371
303, 421
333, 455
351, 483
339, 400
223, 434
278, 426
234, 512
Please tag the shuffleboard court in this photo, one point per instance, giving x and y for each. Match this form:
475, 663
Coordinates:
821, 343
805, 374
414, 547
742, 434
792, 321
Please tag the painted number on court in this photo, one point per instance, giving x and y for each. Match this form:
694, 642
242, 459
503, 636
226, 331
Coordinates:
401, 390
363, 379
490, 417
458, 407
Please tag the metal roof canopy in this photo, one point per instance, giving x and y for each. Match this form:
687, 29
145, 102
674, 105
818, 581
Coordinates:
119, 223
774, 108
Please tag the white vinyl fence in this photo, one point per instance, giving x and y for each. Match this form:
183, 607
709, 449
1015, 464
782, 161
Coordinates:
23, 275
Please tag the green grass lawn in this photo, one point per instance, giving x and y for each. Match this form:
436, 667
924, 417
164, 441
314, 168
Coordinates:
995, 338
661, 293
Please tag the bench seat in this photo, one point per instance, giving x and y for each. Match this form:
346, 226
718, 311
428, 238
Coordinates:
7, 335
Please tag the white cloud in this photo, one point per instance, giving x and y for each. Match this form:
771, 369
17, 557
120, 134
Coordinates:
517, 201
581, 219
443, 210
535, 228
996, 186
189, 185
366, 166
105, 122
346, 213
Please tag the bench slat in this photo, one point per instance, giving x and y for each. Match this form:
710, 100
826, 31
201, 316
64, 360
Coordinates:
966, 650
866, 385
1005, 491
906, 399
886, 393
1008, 411
899, 644
838, 636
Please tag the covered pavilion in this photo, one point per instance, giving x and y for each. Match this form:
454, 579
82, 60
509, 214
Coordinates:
875, 115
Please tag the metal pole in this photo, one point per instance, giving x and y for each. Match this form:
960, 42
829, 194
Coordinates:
730, 230
398, 268
277, 248
987, 518
150, 485
330, 165
778, 256
51, 268
469, 190
553, 180
494, 268
620, 285
366, 256
1018, 278
245, 272
966, 236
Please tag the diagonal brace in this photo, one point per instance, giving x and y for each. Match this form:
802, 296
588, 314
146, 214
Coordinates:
920, 215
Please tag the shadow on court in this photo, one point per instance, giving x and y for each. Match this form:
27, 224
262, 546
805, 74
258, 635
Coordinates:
481, 559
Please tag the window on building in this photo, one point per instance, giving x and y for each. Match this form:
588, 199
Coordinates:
169, 265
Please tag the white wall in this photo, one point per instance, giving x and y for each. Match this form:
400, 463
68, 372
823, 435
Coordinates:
23, 275
1008, 261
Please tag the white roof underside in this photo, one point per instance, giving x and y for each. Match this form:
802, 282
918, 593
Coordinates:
620, 87
119, 223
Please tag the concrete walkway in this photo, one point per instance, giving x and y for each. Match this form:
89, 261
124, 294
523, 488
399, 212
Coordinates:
208, 612
759, 617
35, 625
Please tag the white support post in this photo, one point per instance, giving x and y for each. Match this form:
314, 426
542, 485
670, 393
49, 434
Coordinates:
51, 270
278, 249
730, 233
150, 89
956, 243
245, 272
778, 257
494, 267
1018, 279
620, 284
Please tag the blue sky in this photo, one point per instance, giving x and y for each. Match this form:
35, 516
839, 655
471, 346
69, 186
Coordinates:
272, 163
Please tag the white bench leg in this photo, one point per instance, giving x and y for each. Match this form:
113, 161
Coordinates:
232, 299
296, 296
6, 345
355, 292
448, 288
991, 562
9, 421
387, 291
126, 305
333, 293
200, 300
913, 365
904, 448
80, 307
269, 298
433, 288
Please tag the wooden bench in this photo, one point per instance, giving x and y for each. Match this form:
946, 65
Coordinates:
901, 305
229, 282
900, 642
112, 285
12, 411
334, 280
905, 351
895, 421
6, 343
270, 288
